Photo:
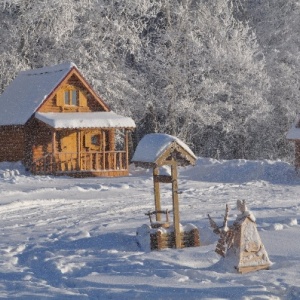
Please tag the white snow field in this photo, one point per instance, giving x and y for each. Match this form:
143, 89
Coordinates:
67, 238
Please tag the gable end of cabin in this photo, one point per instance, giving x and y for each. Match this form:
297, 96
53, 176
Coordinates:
73, 94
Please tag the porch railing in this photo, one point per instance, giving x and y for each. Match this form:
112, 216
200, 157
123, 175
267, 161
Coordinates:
64, 162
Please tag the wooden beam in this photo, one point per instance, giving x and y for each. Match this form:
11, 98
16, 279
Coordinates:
156, 193
53, 150
169, 162
111, 138
103, 149
162, 178
175, 205
53, 142
78, 150
126, 148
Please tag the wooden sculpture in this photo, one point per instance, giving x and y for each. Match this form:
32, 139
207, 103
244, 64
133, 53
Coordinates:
241, 241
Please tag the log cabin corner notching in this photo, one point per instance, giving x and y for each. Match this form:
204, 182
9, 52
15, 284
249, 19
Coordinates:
53, 121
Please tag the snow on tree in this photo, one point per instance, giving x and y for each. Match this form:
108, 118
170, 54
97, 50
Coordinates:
186, 68
207, 76
276, 23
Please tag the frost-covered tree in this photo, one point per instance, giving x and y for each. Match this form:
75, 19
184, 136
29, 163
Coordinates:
277, 23
185, 67
209, 78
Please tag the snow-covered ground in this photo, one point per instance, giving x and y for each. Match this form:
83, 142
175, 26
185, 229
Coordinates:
66, 238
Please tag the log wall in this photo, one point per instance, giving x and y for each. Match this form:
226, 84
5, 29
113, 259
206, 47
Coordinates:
50, 106
160, 240
55, 104
38, 141
92, 103
11, 143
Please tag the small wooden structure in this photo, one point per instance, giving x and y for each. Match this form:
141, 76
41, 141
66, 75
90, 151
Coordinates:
155, 151
162, 233
241, 242
54, 122
293, 135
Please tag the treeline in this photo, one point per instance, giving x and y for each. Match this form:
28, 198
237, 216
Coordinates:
217, 74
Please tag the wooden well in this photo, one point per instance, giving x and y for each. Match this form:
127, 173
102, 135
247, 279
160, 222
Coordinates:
155, 151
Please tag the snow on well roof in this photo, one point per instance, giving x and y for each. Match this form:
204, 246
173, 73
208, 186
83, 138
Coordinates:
85, 120
28, 90
153, 145
294, 131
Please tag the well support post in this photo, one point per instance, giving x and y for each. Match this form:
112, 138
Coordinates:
175, 204
156, 193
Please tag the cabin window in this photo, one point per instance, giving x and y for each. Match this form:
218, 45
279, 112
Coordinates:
71, 97
95, 139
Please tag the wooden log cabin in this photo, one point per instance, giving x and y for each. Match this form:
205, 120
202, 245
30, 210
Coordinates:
53, 121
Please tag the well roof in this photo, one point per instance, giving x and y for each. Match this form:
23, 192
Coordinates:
153, 146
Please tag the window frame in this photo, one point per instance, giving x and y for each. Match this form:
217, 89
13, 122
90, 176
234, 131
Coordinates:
69, 97
96, 139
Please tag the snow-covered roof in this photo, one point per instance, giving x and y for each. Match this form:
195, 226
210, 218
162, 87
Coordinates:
28, 90
85, 120
294, 131
153, 145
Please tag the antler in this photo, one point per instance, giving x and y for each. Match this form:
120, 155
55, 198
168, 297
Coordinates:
214, 225
225, 222
226, 234
216, 228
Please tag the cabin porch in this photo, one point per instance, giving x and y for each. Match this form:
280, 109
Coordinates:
110, 163
81, 152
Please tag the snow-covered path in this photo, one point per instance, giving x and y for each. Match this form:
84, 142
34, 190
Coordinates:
66, 238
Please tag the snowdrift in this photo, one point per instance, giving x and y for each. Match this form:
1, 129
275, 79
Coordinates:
241, 170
